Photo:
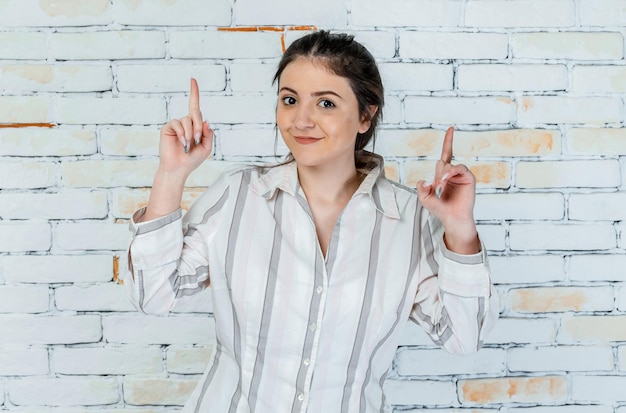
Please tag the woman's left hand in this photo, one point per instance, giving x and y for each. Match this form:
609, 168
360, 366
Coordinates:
450, 198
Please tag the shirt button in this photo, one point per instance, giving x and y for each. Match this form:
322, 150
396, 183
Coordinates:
313, 326
319, 289
301, 397
307, 362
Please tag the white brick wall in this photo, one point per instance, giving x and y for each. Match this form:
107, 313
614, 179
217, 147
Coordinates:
536, 88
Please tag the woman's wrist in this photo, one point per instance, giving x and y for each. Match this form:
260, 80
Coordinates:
462, 238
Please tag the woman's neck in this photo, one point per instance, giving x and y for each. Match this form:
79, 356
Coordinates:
329, 185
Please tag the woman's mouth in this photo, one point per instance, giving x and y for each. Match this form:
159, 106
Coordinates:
306, 140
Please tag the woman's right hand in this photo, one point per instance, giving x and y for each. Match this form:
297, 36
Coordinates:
185, 143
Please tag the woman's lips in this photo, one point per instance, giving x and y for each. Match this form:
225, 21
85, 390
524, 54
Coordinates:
305, 140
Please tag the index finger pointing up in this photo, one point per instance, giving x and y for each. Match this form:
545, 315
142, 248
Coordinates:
194, 96
446, 150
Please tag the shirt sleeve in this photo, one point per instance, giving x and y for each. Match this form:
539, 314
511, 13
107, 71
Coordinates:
168, 256
456, 302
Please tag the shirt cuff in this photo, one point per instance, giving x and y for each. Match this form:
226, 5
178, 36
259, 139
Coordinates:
464, 275
139, 228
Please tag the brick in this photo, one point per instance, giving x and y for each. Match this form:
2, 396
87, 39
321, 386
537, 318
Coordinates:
158, 391
380, 43
288, 12
27, 174
423, 392
224, 45
428, 142
493, 236
458, 110
24, 299
125, 44
29, 236
595, 329
158, 330
568, 45
570, 237
188, 360
621, 357
162, 78
18, 78
230, 109
23, 362
520, 13
416, 76
597, 207
125, 202
424, 362
63, 391
414, 335
33, 13
523, 330
596, 267
99, 297
561, 358
560, 299
519, 206
598, 389
29, 329
548, 389
621, 298
109, 173
177, 13
252, 77
117, 111
531, 269
35, 141
598, 79
602, 13
91, 236
24, 109
59, 205
393, 112
23, 45
568, 174
488, 174
136, 141
422, 13
569, 408
452, 45
106, 361
237, 143
512, 77
575, 110
57, 268
596, 141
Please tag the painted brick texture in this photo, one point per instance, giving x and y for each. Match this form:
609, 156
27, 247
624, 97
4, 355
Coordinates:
535, 88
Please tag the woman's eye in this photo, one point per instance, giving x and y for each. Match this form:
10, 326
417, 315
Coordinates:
327, 104
289, 100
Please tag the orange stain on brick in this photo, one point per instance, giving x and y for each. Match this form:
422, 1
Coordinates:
526, 103
547, 300
493, 173
534, 142
515, 389
116, 270
423, 143
27, 125
280, 29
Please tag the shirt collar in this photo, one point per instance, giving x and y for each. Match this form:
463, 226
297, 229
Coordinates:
379, 190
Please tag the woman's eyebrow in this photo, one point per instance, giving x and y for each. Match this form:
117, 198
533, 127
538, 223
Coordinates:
315, 94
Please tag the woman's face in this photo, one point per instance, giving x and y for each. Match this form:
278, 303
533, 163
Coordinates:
317, 114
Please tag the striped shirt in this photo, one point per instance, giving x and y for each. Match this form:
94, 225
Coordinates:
298, 331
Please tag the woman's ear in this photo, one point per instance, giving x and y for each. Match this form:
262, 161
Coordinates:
366, 120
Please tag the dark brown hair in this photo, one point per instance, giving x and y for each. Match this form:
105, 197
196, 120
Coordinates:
344, 57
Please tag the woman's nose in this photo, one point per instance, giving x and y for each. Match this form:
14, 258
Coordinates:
304, 118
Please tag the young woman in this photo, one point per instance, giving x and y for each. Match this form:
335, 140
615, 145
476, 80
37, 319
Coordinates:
316, 263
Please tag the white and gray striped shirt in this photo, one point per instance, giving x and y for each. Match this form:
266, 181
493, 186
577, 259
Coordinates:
297, 331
